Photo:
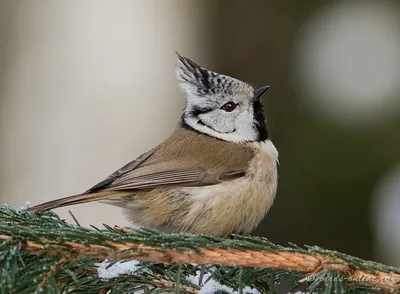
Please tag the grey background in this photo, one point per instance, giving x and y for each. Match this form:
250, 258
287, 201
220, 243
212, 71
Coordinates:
86, 86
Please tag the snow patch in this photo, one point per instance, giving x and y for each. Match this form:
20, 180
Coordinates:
111, 269
212, 285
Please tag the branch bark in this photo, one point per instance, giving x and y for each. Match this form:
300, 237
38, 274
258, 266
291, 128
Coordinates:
308, 263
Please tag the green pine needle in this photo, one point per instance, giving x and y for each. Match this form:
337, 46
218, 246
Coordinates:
40, 254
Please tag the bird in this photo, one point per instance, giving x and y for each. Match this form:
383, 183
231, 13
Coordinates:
216, 174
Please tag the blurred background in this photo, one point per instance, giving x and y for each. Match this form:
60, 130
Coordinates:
87, 86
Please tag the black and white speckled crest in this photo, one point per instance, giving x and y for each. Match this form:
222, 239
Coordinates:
207, 82
207, 92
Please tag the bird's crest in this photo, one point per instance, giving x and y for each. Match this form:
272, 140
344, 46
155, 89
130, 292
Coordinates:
199, 82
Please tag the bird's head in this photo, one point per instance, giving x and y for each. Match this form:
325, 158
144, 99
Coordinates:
221, 106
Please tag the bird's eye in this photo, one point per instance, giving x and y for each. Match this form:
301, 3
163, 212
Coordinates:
229, 106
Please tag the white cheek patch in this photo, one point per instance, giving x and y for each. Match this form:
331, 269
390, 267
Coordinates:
235, 137
226, 126
218, 121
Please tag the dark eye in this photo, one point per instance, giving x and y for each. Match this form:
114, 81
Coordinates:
229, 106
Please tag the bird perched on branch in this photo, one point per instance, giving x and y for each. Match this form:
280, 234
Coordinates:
216, 174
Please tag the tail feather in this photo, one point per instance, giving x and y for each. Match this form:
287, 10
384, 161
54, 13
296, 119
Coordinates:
73, 200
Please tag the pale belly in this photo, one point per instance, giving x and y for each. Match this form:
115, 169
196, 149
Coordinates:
237, 206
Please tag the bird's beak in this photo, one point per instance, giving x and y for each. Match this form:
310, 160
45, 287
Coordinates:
259, 92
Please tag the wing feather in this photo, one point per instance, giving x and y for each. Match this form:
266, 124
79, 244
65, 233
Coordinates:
172, 163
151, 171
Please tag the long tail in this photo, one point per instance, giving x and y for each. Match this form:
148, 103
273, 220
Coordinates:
73, 200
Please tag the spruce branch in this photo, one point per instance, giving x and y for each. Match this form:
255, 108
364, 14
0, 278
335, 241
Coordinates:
65, 257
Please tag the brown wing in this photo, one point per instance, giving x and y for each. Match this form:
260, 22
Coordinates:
152, 171
125, 169
94, 193
146, 172
172, 163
